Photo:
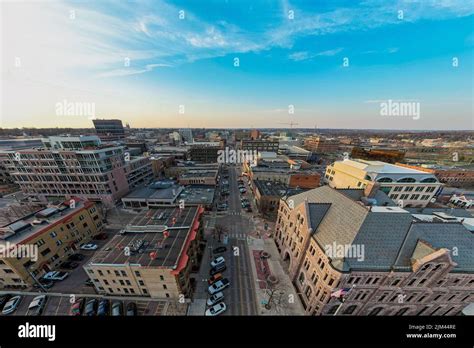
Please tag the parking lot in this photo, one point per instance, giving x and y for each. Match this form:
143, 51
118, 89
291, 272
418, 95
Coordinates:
58, 304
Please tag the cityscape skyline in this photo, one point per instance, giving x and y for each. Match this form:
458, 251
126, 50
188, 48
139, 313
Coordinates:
173, 65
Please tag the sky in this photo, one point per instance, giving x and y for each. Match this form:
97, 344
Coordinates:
238, 63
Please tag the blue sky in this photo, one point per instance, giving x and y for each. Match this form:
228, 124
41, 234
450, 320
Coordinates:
289, 52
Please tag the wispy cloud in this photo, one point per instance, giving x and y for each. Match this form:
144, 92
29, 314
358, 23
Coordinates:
305, 55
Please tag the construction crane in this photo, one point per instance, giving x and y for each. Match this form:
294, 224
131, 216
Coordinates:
291, 123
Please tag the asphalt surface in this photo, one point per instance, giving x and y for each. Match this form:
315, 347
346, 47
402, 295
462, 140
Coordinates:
239, 297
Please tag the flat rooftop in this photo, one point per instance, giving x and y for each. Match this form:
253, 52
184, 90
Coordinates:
270, 188
197, 194
382, 167
33, 223
199, 174
156, 191
146, 237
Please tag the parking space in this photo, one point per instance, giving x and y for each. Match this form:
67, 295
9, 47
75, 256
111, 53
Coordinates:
58, 304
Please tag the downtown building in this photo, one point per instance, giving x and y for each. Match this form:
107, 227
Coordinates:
153, 256
109, 130
77, 166
406, 186
390, 261
55, 232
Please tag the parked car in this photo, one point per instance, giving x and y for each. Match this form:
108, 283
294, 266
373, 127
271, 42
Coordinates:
69, 265
89, 282
216, 298
76, 257
216, 309
47, 284
37, 305
221, 207
12, 304
131, 309
55, 275
219, 250
89, 246
103, 308
76, 307
218, 269
3, 300
101, 236
249, 209
117, 308
214, 278
91, 307
219, 286
217, 261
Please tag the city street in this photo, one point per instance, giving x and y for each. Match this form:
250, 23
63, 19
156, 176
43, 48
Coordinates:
240, 296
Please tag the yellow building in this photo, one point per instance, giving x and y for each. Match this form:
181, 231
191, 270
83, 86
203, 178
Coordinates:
406, 186
153, 256
39, 242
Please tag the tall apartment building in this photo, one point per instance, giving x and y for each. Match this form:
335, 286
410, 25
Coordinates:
54, 232
408, 187
392, 262
259, 145
109, 130
77, 166
204, 152
186, 135
153, 256
321, 145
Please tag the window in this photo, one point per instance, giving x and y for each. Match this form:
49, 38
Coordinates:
376, 311
350, 309
402, 311
301, 278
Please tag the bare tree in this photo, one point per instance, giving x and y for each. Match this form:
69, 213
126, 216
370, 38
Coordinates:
219, 230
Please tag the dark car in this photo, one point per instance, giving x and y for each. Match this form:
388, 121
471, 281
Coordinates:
249, 209
131, 309
219, 268
47, 284
76, 307
76, 257
89, 282
3, 300
219, 250
69, 265
101, 236
91, 307
103, 308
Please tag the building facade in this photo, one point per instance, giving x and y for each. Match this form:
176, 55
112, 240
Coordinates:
152, 257
109, 130
391, 263
408, 187
54, 232
77, 166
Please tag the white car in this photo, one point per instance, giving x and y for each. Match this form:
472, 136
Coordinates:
12, 305
216, 298
217, 261
218, 286
55, 275
216, 309
89, 246
37, 305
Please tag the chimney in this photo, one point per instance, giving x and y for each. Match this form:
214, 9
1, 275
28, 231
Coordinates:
371, 189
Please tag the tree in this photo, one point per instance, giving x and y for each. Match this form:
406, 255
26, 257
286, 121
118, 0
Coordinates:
219, 230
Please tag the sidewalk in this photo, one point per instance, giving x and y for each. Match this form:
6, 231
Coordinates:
285, 300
